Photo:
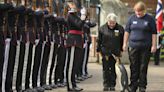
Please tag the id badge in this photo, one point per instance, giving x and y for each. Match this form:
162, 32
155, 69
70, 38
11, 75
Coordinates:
116, 32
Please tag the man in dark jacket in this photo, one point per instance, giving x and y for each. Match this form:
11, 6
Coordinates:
110, 42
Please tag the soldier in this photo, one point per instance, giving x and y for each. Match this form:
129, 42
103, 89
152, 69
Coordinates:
3, 18
59, 70
46, 51
31, 37
12, 36
83, 71
74, 44
39, 18
22, 39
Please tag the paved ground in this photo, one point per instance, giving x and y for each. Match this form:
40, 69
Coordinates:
94, 84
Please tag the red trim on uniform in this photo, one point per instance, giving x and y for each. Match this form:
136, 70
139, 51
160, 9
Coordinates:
75, 32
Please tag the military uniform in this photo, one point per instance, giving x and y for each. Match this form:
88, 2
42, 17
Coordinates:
75, 45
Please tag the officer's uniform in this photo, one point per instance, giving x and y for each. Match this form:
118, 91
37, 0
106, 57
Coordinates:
11, 34
31, 37
75, 45
110, 42
46, 51
3, 9
22, 38
38, 50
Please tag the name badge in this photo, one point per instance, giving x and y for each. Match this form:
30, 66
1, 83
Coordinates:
145, 23
116, 32
134, 22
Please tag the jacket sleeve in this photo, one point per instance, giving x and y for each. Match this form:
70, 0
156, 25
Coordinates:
121, 36
99, 41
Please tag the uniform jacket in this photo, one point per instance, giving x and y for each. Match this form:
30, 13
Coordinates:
110, 40
75, 23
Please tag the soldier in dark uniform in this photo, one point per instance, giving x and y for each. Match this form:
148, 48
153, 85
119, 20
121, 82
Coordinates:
12, 35
3, 19
55, 37
39, 18
74, 44
88, 41
110, 40
83, 71
59, 70
46, 51
31, 37
22, 38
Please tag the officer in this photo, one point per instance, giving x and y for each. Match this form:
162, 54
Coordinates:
74, 44
46, 51
12, 36
3, 9
110, 40
31, 38
39, 18
87, 41
59, 70
56, 43
22, 38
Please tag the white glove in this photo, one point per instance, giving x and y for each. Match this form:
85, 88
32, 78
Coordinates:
83, 11
83, 17
36, 42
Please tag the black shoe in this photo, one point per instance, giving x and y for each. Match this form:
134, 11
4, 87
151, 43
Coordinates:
77, 81
80, 78
40, 89
131, 89
30, 90
47, 87
53, 86
60, 85
112, 88
106, 89
142, 90
75, 89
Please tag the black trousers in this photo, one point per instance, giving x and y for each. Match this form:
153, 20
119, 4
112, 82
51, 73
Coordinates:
45, 60
139, 60
109, 73
2, 50
53, 62
157, 57
72, 65
10, 67
28, 70
86, 57
59, 70
80, 63
20, 66
36, 66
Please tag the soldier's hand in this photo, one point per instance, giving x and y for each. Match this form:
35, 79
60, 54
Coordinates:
83, 17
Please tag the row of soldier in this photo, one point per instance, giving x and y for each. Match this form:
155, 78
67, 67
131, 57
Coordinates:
33, 42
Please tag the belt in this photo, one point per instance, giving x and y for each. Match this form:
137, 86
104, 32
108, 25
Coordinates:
75, 32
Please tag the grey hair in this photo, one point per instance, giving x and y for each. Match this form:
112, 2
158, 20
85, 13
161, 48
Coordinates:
111, 17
